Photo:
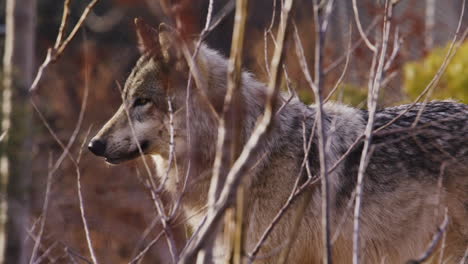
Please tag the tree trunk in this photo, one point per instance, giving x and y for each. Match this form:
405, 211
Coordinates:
429, 24
15, 160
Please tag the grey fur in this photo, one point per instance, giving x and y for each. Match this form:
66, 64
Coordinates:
402, 202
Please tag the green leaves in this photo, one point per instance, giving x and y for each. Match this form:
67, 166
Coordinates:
453, 83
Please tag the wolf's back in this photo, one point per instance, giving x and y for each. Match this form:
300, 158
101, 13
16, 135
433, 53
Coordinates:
424, 136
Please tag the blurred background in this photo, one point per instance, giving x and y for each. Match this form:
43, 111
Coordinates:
120, 214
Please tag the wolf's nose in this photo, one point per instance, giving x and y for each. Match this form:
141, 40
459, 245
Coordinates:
97, 146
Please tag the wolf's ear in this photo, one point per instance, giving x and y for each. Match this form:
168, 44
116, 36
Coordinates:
147, 37
171, 49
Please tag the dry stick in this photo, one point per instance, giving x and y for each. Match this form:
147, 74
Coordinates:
144, 235
418, 116
33, 227
83, 218
265, 34
338, 61
233, 86
45, 207
321, 19
359, 26
148, 247
73, 252
34, 239
234, 175
180, 222
234, 77
238, 234
63, 23
374, 88
344, 217
343, 73
433, 244
78, 174
46, 254
396, 48
54, 53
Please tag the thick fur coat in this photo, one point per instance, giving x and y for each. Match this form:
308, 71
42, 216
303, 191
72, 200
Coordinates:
418, 165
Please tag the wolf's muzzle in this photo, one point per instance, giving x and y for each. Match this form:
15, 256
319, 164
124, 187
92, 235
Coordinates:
97, 147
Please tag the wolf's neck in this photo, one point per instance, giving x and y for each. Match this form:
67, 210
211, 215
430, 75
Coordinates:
246, 106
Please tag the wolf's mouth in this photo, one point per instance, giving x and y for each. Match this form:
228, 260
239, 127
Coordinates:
129, 156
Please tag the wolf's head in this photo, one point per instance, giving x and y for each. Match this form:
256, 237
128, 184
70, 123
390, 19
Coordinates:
142, 121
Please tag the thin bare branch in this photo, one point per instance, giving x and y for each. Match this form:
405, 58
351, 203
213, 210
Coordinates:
54, 53
356, 45
321, 18
148, 247
360, 30
45, 207
374, 88
233, 87
343, 73
63, 23
432, 247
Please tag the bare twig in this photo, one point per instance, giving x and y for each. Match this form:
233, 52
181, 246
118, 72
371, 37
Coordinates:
231, 103
78, 174
343, 73
357, 44
63, 23
148, 247
374, 87
54, 53
359, 26
321, 17
45, 207
233, 88
83, 218
432, 247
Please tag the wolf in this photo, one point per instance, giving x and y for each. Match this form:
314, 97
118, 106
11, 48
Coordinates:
417, 171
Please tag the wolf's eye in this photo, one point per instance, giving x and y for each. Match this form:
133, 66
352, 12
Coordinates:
141, 101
